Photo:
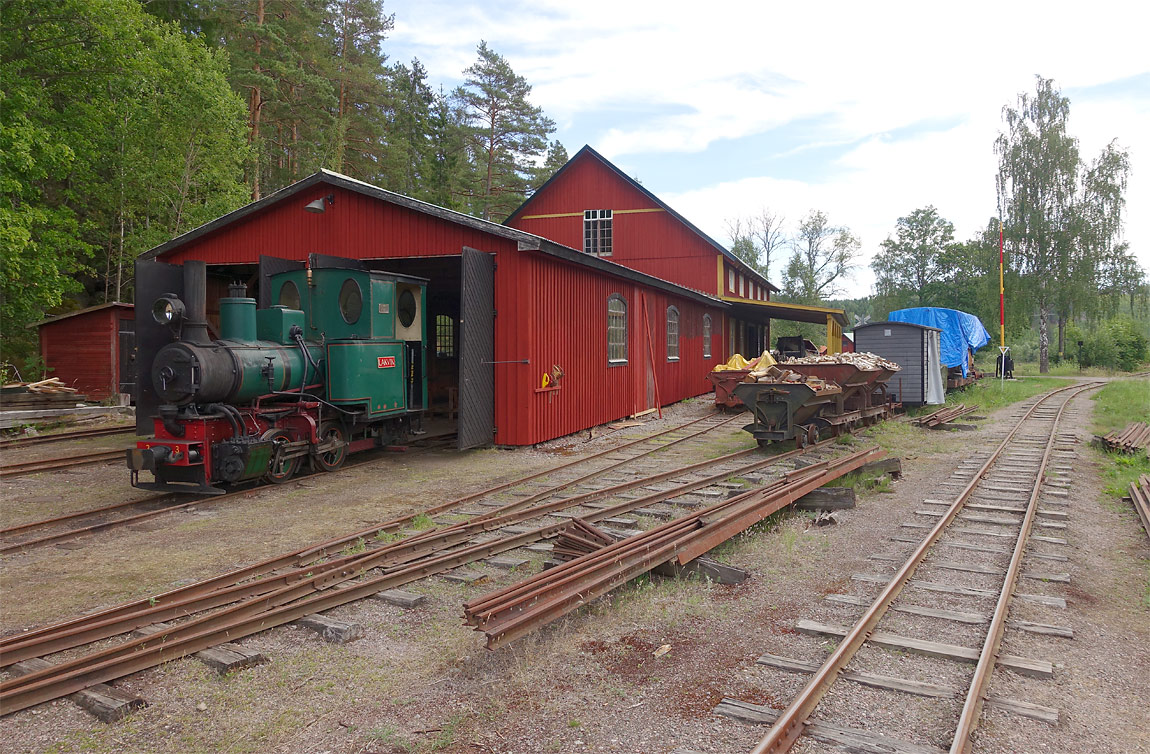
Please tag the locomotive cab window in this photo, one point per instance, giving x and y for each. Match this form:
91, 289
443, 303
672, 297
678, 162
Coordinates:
616, 330
407, 307
289, 295
672, 333
350, 301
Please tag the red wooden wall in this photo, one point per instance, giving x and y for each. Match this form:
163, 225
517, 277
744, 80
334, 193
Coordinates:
355, 226
83, 350
650, 240
549, 311
562, 320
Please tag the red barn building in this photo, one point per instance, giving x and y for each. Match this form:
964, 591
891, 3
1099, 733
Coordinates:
592, 205
518, 304
91, 349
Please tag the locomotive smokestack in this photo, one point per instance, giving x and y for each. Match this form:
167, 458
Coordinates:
195, 328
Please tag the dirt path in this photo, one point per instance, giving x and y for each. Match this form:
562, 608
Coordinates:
420, 681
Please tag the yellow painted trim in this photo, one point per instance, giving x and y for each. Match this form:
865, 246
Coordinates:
800, 307
719, 290
580, 214
547, 217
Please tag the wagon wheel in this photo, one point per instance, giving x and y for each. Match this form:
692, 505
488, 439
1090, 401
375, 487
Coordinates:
279, 469
331, 431
812, 434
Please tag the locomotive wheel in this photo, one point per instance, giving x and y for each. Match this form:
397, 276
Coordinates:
286, 468
332, 459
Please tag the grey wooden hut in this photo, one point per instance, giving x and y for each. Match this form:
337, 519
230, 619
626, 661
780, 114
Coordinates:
915, 348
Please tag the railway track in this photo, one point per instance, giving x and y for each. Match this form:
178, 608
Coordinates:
997, 499
81, 434
601, 489
9, 470
54, 530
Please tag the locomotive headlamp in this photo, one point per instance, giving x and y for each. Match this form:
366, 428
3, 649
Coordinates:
168, 310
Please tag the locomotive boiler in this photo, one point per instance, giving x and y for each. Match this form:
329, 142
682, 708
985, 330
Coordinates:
335, 363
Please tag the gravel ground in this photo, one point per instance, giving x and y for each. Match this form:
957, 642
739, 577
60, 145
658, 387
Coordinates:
419, 681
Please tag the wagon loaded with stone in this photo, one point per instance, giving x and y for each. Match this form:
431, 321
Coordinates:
802, 399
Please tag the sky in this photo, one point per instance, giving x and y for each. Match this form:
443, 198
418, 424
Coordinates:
865, 111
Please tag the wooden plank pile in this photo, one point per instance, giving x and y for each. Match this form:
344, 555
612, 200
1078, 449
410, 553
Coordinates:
1134, 438
944, 415
49, 393
1140, 495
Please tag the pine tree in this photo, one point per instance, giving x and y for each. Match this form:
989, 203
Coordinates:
505, 132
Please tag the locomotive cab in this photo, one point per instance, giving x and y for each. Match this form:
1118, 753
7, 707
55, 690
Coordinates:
335, 364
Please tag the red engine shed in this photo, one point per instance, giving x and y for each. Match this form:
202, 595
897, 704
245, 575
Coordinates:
91, 349
548, 302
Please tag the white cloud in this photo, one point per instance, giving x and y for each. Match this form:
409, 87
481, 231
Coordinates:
739, 69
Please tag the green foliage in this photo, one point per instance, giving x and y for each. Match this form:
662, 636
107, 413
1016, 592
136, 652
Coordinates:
1114, 344
913, 264
505, 134
118, 132
823, 255
1116, 405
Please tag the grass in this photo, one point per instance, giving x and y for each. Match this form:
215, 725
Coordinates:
1115, 406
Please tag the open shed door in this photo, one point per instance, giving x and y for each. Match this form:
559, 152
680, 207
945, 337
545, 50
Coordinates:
476, 350
153, 279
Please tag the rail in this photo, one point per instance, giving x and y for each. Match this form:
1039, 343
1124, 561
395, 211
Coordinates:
790, 723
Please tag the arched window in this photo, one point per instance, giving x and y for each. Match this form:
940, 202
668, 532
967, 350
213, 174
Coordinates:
706, 336
616, 329
672, 333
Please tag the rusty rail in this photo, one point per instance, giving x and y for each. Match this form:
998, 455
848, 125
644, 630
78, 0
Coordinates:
1140, 496
24, 442
790, 723
515, 611
253, 580
972, 707
944, 415
83, 459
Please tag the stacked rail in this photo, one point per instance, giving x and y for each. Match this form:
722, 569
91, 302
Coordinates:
1140, 495
944, 415
1134, 438
510, 613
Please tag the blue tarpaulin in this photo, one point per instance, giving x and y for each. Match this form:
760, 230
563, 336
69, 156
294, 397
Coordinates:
960, 331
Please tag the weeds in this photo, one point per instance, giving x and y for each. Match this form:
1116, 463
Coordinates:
422, 521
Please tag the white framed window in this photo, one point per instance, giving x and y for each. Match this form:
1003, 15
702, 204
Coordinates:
672, 333
706, 336
731, 280
616, 329
597, 232
742, 284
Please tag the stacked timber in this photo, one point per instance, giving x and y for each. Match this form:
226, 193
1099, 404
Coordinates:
862, 359
944, 415
49, 393
1133, 439
1140, 496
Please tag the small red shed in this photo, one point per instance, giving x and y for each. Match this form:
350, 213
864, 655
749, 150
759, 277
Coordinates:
92, 349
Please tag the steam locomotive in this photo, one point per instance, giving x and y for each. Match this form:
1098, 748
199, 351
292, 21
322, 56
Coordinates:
337, 364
